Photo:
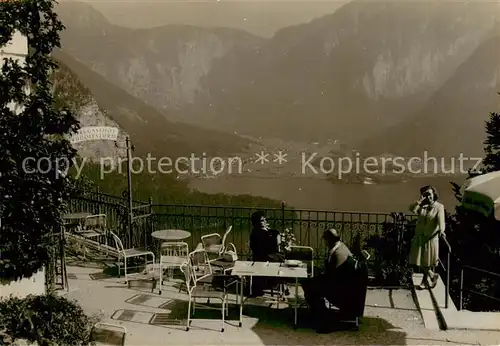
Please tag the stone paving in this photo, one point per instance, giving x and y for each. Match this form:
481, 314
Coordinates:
391, 318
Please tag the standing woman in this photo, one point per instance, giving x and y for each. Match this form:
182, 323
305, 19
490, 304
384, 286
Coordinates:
430, 226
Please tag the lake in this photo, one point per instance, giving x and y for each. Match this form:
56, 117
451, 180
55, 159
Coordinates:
320, 194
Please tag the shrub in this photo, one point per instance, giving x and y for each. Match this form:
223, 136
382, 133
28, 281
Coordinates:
391, 249
471, 233
47, 320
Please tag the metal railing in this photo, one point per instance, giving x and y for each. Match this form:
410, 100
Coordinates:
479, 270
307, 225
447, 270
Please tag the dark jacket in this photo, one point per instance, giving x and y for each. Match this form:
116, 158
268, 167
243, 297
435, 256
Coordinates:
264, 245
346, 279
339, 265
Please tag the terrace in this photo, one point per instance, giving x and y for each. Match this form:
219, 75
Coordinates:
394, 313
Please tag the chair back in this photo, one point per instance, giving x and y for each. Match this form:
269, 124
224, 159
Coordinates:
189, 275
118, 243
175, 249
224, 238
108, 334
199, 261
210, 240
303, 253
95, 222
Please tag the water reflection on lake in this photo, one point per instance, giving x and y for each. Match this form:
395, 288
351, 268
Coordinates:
322, 194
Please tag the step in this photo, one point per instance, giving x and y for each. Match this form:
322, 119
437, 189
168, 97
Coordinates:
452, 318
425, 304
465, 319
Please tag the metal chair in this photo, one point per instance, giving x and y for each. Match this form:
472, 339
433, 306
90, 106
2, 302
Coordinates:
95, 226
108, 334
304, 254
129, 253
223, 265
205, 276
215, 244
360, 285
196, 291
172, 256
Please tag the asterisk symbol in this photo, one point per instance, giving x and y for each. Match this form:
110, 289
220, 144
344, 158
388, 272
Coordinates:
262, 158
280, 157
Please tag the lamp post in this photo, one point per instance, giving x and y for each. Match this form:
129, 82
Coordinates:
129, 147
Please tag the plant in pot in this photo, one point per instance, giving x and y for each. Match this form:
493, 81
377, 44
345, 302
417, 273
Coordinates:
287, 240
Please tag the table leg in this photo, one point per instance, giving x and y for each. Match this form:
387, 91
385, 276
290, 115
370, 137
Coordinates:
241, 301
296, 301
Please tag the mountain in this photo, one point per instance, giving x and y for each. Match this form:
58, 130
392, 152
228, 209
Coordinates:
162, 66
69, 91
98, 102
453, 121
345, 76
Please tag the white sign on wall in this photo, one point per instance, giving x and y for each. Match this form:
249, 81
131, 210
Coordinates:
91, 133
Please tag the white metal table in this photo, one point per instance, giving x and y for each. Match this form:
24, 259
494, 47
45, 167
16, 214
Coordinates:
269, 269
75, 216
171, 234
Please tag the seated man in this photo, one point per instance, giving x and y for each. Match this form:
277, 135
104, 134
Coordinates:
338, 283
264, 243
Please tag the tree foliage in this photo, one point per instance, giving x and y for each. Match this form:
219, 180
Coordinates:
474, 238
391, 248
491, 161
32, 198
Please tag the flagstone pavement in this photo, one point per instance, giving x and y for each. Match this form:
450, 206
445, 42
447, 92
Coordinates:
391, 318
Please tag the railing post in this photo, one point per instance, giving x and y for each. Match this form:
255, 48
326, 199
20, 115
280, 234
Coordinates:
447, 290
282, 216
461, 287
150, 221
99, 199
129, 186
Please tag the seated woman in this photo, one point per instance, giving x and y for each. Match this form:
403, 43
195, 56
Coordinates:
264, 243
341, 283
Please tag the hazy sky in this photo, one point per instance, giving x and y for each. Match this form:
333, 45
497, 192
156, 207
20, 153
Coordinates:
261, 17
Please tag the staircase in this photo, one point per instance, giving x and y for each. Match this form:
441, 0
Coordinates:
431, 303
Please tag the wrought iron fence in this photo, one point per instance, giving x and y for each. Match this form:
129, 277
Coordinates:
307, 225
116, 210
485, 275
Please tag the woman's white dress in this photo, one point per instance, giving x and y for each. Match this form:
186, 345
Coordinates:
425, 244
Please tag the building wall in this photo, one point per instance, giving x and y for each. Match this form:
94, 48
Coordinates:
17, 49
24, 287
